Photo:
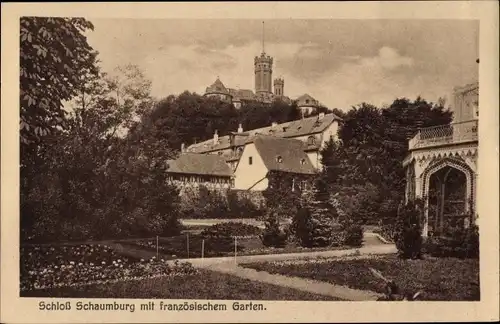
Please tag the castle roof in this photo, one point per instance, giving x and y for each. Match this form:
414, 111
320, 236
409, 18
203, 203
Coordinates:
283, 154
306, 100
302, 127
217, 87
242, 94
199, 164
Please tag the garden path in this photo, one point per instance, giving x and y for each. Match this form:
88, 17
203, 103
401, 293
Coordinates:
302, 284
229, 265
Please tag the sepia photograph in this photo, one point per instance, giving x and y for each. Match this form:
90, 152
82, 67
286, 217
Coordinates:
247, 160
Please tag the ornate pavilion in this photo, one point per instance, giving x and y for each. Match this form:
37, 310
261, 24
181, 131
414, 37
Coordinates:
441, 166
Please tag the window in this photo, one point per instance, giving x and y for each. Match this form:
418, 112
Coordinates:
307, 101
279, 159
311, 140
303, 161
250, 160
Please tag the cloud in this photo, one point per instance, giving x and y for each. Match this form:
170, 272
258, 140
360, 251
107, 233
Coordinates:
388, 58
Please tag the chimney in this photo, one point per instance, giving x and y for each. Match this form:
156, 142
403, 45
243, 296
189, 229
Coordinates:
240, 129
183, 148
216, 138
321, 115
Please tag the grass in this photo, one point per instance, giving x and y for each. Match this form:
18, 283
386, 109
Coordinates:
205, 285
445, 279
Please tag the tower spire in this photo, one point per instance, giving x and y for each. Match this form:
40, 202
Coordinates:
263, 48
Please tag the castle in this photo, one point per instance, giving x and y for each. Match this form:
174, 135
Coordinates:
263, 85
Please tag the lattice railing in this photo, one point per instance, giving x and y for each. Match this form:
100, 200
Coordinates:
445, 134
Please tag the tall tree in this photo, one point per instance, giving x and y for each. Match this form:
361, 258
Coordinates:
55, 61
322, 214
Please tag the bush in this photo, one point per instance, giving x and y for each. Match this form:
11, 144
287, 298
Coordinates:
408, 235
241, 206
273, 235
231, 229
353, 234
338, 235
455, 242
387, 231
301, 227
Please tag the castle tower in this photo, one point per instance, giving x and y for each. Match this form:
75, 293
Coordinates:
263, 65
279, 87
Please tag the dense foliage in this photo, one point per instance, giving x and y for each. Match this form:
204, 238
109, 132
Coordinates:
202, 202
231, 229
458, 242
189, 118
273, 235
364, 170
55, 63
92, 178
408, 236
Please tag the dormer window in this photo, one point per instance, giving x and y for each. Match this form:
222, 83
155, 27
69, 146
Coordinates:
311, 140
279, 159
303, 161
307, 101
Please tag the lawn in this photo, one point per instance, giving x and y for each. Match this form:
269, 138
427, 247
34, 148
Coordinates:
204, 285
445, 279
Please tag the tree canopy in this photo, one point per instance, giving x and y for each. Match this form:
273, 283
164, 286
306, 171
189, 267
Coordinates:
55, 63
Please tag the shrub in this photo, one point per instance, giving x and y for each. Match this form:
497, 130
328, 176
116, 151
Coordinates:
323, 215
231, 229
338, 236
273, 235
301, 227
408, 235
353, 234
387, 231
455, 242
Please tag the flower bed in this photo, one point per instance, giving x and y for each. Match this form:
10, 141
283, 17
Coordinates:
50, 266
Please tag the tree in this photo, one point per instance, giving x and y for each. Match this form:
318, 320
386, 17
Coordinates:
364, 168
96, 182
55, 62
322, 214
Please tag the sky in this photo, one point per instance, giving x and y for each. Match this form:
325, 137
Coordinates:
341, 63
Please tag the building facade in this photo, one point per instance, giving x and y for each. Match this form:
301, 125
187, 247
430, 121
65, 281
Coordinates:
441, 166
194, 170
314, 132
266, 154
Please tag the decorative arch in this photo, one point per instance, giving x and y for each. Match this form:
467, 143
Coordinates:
455, 163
